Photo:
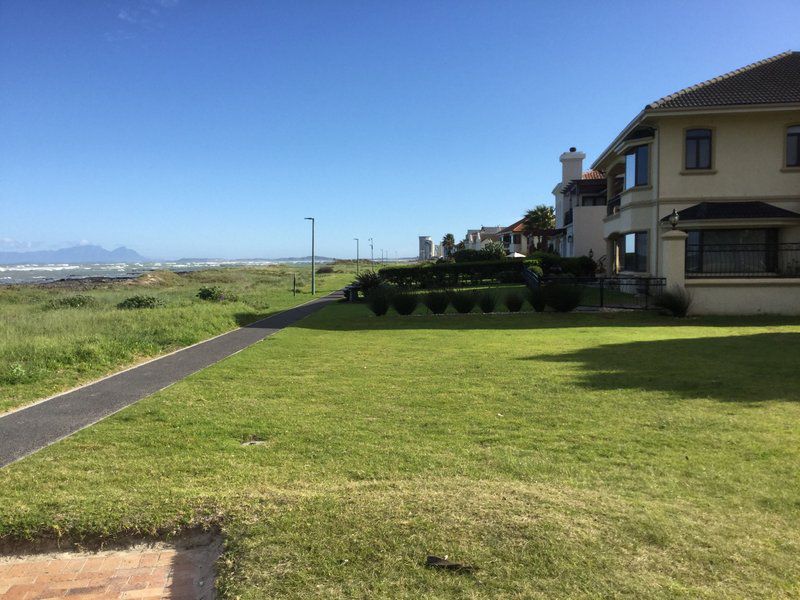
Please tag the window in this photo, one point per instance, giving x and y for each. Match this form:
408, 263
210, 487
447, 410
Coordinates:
593, 201
632, 250
732, 252
517, 238
793, 146
636, 167
698, 149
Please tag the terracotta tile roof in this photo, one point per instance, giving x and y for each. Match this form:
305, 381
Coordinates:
518, 227
733, 210
774, 80
592, 174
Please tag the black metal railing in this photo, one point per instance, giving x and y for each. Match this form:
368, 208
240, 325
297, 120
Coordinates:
568, 217
743, 260
607, 292
613, 205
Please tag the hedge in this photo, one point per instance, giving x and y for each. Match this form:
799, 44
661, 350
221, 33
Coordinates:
453, 274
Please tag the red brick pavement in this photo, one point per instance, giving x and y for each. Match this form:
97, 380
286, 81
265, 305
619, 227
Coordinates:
184, 572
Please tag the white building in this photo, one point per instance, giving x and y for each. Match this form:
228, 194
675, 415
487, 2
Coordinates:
427, 249
580, 199
476, 239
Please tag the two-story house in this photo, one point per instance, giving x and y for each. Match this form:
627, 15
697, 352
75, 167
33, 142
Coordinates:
476, 239
724, 155
580, 200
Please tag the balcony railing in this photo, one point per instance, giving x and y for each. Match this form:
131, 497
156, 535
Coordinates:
568, 217
612, 207
743, 260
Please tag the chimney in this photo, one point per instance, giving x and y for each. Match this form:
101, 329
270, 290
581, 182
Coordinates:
571, 165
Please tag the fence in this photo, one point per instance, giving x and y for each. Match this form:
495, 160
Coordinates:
608, 292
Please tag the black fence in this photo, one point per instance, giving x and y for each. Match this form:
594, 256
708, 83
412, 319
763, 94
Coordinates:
608, 292
743, 260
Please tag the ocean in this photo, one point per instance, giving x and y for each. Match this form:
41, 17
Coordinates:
11, 274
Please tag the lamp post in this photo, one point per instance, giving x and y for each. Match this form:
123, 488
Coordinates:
356, 239
313, 258
372, 253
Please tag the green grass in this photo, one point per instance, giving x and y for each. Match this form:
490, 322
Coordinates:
45, 349
566, 456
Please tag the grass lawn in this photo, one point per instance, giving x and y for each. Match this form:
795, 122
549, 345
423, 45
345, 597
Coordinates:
565, 456
46, 349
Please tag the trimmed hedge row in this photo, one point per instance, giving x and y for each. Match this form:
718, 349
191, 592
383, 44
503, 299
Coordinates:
454, 274
558, 296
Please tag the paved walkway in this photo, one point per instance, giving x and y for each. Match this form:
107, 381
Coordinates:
30, 429
182, 571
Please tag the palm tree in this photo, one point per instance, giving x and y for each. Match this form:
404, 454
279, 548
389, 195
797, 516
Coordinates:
448, 243
540, 217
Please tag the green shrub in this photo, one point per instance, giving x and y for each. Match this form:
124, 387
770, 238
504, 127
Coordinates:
367, 280
553, 264
437, 302
215, 294
457, 274
491, 252
405, 303
140, 302
77, 301
325, 270
463, 302
487, 302
513, 302
378, 302
675, 302
563, 297
536, 297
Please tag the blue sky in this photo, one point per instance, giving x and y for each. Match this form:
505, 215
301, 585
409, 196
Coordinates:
211, 128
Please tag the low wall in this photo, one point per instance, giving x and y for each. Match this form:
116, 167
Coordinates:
744, 296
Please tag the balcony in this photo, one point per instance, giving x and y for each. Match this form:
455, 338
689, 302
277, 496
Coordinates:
743, 260
612, 207
568, 217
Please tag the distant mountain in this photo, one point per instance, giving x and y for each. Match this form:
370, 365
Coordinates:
74, 255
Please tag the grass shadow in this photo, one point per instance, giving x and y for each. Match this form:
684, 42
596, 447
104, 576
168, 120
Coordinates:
738, 368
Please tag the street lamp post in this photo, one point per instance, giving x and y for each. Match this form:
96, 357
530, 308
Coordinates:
356, 239
372, 253
313, 258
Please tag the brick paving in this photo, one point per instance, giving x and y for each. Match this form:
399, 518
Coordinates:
184, 572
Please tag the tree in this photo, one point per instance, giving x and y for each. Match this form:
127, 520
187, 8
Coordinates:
448, 243
540, 217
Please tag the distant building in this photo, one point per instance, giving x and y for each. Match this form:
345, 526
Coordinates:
427, 249
476, 239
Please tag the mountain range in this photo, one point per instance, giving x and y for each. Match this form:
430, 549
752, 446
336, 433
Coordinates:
75, 255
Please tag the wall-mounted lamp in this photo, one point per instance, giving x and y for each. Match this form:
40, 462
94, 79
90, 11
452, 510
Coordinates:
674, 218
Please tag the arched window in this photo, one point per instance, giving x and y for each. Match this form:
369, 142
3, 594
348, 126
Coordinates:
793, 146
698, 149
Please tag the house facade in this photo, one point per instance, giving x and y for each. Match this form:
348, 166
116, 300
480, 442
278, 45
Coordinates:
580, 200
723, 155
514, 239
476, 239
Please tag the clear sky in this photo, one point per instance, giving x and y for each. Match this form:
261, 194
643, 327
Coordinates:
211, 128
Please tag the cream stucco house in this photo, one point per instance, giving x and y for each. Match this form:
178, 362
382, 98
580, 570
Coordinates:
725, 156
580, 205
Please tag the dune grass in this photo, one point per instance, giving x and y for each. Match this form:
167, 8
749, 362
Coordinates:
47, 347
563, 455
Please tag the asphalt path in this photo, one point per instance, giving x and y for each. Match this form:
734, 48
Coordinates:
24, 431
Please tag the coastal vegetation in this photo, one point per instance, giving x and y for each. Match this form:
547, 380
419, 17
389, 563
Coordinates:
562, 455
56, 336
